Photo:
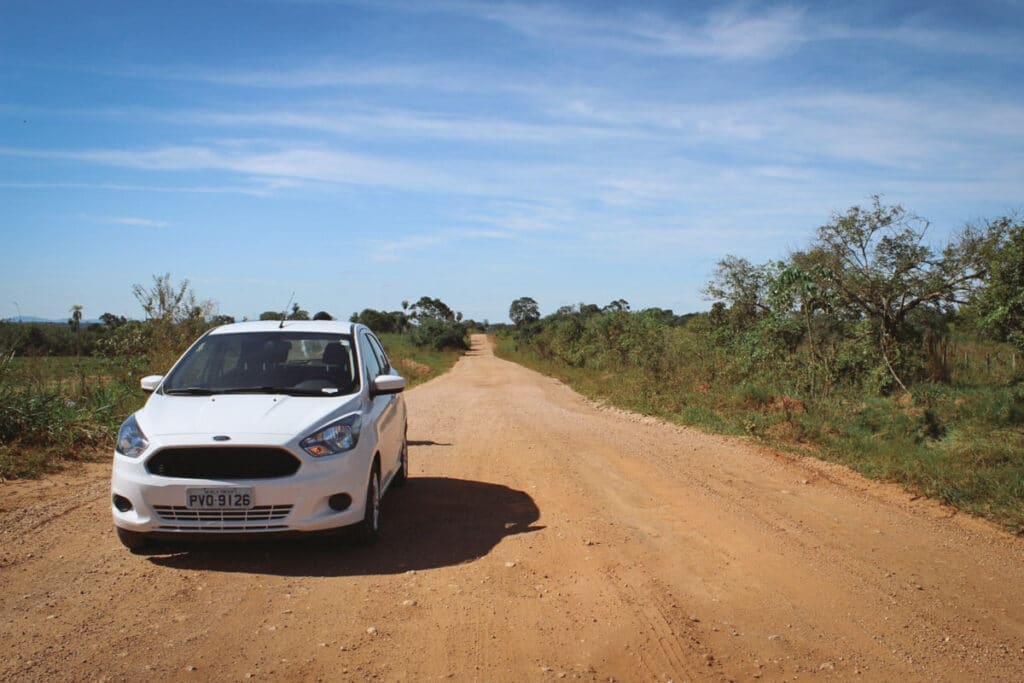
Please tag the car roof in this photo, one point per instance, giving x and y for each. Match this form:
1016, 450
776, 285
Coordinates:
325, 326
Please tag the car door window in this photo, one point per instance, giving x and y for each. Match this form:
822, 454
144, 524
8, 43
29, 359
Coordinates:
382, 358
371, 366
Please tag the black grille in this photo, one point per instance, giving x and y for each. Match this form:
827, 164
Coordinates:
218, 462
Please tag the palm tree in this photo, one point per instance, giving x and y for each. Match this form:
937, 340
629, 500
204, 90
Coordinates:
76, 317
76, 322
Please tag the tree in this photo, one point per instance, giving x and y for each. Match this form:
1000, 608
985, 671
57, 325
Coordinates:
435, 325
323, 315
112, 321
427, 307
743, 287
76, 322
169, 303
523, 311
381, 321
617, 306
297, 313
873, 262
999, 305
76, 318
272, 315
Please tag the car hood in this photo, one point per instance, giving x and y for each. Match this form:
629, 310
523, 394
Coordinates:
237, 414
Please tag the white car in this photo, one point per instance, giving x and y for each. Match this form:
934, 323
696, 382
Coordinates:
263, 427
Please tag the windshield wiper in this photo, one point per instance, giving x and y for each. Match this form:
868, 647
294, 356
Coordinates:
292, 391
190, 391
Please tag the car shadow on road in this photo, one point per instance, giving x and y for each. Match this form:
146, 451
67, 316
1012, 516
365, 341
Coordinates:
432, 522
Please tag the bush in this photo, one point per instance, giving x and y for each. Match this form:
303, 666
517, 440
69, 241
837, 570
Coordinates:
437, 334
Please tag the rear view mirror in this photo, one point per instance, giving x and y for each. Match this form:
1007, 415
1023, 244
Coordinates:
387, 384
151, 382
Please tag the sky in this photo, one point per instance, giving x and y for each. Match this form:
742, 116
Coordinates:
358, 154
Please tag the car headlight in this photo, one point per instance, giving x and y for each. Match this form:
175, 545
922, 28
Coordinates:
336, 437
130, 439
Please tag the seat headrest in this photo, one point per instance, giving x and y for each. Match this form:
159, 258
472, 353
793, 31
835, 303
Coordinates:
275, 351
335, 354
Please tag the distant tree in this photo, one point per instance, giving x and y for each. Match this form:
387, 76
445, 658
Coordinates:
381, 321
617, 306
524, 311
272, 315
428, 307
170, 303
435, 325
297, 313
222, 320
323, 315
76, 318
580, 309
76, 323
112, 321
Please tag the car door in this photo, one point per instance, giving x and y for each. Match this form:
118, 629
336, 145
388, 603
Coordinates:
397, 419
384, 411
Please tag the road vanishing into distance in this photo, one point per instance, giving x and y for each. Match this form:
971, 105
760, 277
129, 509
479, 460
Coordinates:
542, 537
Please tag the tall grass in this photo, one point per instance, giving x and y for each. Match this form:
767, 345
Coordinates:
58, 410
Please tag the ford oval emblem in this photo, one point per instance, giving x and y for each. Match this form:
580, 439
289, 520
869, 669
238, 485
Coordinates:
222, 437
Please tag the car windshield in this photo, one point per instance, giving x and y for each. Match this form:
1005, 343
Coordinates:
295, 363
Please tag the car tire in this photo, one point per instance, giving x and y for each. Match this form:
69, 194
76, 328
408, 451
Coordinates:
368, 530
132, 540
401, 477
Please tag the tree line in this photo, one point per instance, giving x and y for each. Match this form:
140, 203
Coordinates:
175, 316
866, 304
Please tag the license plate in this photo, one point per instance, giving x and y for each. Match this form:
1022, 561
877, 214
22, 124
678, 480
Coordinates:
234, 498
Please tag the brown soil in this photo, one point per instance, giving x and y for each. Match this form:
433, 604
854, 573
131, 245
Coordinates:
542, 537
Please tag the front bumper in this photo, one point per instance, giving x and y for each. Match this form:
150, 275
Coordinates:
296, 503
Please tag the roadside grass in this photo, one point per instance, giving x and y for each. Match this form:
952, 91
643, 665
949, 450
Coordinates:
55, 410
963, 445
417, 364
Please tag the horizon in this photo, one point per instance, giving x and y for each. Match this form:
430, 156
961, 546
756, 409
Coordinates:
364, 153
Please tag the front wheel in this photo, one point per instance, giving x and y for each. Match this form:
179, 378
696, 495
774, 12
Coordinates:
368, 530
132, 540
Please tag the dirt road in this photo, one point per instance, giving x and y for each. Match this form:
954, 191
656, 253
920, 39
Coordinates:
541, 538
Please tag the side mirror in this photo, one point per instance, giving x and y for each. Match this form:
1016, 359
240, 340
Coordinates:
387, 384
151, 382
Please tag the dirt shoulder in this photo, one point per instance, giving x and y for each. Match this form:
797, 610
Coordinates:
541, 537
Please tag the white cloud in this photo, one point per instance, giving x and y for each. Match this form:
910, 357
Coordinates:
372, 123
132, 221
395, 249
124, 187
278, 164
734, 33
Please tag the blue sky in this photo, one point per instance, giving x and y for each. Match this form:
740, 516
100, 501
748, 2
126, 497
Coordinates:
362, 153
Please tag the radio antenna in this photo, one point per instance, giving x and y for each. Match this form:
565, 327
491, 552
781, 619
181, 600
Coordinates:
285, 314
